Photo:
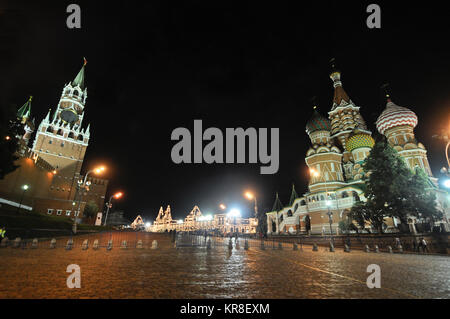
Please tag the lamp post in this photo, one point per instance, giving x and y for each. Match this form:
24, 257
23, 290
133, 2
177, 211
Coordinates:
109, 205
84, 184
25, 188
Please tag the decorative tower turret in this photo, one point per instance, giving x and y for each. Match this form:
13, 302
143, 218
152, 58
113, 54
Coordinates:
397, 123
344, 114
24, 114
323, 158
60, 139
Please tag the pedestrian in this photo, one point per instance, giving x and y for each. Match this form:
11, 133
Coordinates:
424, 245
397, 242
2, 233
414, 245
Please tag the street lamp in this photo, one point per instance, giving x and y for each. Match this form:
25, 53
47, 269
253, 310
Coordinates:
84, 184
116, 196
251, 196
25, 188
222, 206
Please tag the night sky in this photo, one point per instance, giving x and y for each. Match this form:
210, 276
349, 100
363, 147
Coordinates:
153, 67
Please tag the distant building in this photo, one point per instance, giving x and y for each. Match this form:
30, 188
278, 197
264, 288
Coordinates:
195, 220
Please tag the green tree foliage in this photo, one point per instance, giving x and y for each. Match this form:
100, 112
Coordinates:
10, 128
392, 190
90, 210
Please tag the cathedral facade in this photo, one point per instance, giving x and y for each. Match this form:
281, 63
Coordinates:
339, 145
52, 166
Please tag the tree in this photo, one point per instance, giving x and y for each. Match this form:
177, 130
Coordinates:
10, 129
90, 210
392, 190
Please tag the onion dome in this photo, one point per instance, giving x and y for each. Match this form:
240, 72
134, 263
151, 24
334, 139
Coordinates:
317, 122
358, 139
395, 115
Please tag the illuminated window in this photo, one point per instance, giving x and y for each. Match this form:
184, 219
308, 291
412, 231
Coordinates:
58, 212
49, 211
68, 212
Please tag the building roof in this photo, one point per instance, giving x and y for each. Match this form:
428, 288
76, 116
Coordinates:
25, 110
294, 196
317, 122
277, 205
395, 115
358, 139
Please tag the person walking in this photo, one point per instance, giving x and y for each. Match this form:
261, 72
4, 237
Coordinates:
424, 245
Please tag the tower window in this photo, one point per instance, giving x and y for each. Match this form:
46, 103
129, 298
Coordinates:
80, 137
50, 142
62, 144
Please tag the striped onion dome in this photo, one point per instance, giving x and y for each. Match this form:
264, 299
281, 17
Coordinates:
317, 122
395, 115
358, 140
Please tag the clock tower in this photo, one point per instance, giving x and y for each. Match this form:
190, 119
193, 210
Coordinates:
60, 139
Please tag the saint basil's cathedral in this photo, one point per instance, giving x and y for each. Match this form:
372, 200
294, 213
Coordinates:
339, 146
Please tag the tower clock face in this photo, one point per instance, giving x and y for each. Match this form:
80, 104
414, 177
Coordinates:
69, 116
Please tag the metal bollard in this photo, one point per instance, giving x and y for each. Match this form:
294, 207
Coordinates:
17, 242
331, 247
390, 249
346, 248
139, 244
69, 244
34, 243
367, 249
5, 242
230, 244
124, 244
85, 245
280, 245
95, 244
110, 245
377, 250
237, 246
53, 243
154, 244
315, 247
246, 244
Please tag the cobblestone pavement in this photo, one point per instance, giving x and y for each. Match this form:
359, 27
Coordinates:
193, 272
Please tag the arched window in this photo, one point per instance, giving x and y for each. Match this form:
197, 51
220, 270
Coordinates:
296, 207
289, 213
303, 202
356, 196
60, 132
281, 218
75, 93
344, 195
321, 197
80, 137
50, 129
71, 135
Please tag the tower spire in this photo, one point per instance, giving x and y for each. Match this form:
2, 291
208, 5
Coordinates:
294, 195
24, 112
340, 96
386, 90
79, 79
277, 205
